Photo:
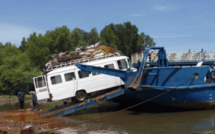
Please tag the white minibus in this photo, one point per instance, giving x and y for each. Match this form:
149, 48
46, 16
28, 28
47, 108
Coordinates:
70, 82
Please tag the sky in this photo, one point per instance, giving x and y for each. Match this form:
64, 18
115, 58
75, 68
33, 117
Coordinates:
178, 25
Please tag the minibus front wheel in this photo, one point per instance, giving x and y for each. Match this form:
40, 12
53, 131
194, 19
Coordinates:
80, 96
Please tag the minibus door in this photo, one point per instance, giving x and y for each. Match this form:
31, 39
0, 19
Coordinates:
41, 87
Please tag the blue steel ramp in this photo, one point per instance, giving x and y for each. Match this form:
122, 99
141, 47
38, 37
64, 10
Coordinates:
68, 109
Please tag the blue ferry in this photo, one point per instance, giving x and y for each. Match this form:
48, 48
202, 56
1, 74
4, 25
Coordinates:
184, 84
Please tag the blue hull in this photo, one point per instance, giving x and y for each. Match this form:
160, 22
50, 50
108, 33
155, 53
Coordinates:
199, 98
184, 87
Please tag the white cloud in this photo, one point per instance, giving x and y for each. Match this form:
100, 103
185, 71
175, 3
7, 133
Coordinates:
159, 7
14, 33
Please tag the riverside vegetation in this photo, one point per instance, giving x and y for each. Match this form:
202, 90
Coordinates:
18, 65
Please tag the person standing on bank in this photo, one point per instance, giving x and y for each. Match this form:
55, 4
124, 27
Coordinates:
34, 101
21, 96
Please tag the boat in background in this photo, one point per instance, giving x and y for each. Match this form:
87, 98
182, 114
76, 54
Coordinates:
184, 84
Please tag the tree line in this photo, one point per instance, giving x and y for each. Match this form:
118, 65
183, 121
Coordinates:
18, 65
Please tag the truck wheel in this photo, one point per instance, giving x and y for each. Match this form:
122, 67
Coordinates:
80, 96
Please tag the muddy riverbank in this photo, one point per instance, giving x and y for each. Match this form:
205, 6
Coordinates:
13, 121
140, 120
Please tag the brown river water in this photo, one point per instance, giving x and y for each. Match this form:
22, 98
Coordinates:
144, 119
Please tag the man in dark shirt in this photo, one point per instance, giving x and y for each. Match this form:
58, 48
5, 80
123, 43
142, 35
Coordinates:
21, 97
34, 101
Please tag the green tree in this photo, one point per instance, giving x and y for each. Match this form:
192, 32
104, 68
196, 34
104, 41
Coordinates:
125, 37
23, 44
79, 38
1, 52
1, 45
109, 37
59, 40
37, 49
16, 70
85, 37
93, 37
145, 41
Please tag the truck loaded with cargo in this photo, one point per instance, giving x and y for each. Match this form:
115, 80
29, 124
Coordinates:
63, 80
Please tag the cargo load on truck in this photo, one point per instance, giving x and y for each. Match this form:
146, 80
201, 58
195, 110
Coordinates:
80, 54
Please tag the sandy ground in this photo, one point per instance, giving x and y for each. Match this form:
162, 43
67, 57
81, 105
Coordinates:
16, 122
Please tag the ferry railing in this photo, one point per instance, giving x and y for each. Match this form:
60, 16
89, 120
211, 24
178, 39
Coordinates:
177, 56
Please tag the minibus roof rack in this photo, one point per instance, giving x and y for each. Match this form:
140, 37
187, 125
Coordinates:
82, 60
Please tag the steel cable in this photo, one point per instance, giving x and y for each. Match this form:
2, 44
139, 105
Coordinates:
116, 112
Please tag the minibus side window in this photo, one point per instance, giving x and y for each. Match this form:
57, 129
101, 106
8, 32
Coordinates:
129, 62
36, 82
83, 74
56, 79
111, 66
70, 76
40, 82
122, 64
